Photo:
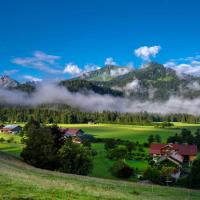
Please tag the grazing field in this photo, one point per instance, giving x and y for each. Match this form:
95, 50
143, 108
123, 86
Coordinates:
138, 133
130, 132
11, 148
14, 138
12, 144
21, 181
101, 163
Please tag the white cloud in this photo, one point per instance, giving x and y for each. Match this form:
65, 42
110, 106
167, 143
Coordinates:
49, 63
40, 61
110, 61
187, 59
195, 62
72, 69
51, 59
51, 93
188, 69
10, 72
146, 52
170, 64
189, 65
194, 86
32, 78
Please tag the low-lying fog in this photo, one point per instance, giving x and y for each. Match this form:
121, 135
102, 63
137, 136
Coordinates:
51, 93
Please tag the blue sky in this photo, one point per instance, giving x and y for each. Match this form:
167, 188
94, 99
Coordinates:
58, 38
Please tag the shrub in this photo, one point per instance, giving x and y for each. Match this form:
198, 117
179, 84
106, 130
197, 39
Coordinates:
183, 181
121, 169
10, 140
143, 154
45, 148
2, 140
145, 144
152, 174
75, 158
110, 144
130, 146
195, 174
118, 153
40, 149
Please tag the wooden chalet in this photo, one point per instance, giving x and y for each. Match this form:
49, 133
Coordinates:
12, 129
73, 133
177, 153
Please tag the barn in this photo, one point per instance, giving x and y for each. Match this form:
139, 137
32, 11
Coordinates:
12, 129
77, 135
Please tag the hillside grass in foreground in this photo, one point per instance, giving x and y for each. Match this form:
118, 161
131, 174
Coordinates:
21, 181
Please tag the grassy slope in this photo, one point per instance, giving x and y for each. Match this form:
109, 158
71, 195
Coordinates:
21, 181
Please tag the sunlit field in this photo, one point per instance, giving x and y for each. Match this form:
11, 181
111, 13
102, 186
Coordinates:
130, 132
101, 163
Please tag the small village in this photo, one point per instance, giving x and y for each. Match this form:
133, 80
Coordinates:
176, 157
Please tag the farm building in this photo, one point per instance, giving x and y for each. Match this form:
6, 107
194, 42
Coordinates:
177, 153
13, 129
73, 133
77, 135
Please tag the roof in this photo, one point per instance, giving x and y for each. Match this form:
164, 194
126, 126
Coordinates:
10, 126
183, 149
71, 131
176, 156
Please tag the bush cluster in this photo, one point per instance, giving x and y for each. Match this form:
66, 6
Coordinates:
46, 148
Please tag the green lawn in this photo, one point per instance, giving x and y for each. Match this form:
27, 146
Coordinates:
14, 147
130, 132
11, 148
6, 136
19, 181
102, 164
138, 164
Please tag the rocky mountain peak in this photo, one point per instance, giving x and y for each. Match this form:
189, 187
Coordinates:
7, 82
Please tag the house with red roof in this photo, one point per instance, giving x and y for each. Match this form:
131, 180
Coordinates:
73, 133
177, 153
12, 129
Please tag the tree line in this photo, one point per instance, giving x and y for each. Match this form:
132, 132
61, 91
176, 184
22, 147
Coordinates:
67, 115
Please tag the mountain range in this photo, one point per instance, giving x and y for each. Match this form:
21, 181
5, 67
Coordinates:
151, 82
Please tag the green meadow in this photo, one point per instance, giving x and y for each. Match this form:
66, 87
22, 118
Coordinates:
19, 181
102, 164
130, 132
19, 178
